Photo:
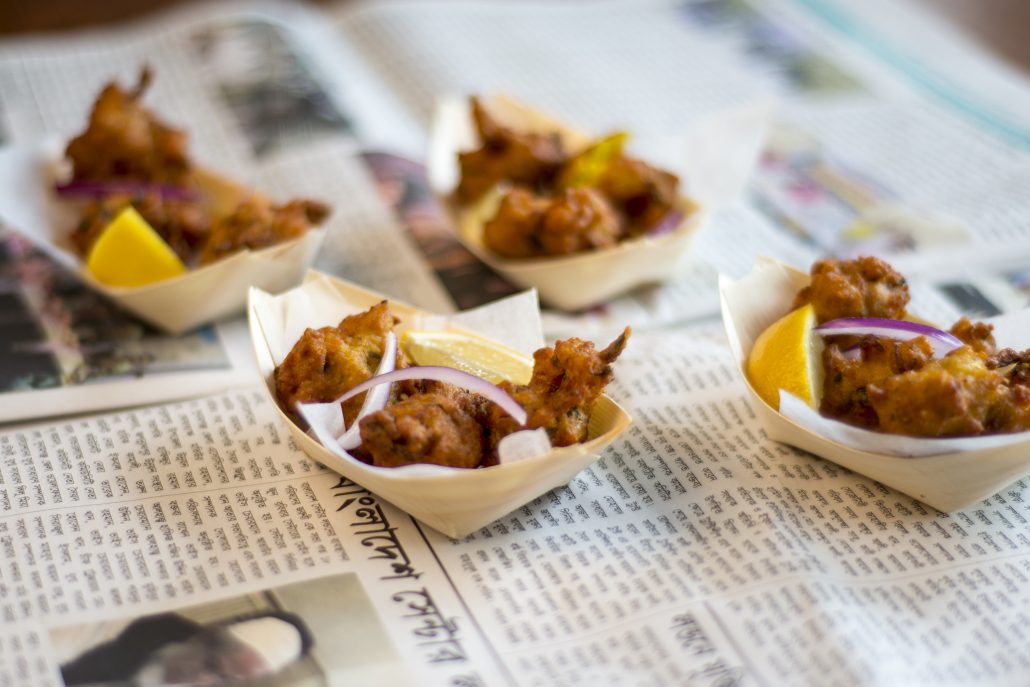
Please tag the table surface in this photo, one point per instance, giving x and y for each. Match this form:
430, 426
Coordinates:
1001, 25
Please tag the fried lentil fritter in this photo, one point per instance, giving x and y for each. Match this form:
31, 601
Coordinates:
257, 223
566, 381
872, 361
576, 220
124, 140
865, 287
897, 386
524, 158
550, 209
957, 395
437, 428
326, 362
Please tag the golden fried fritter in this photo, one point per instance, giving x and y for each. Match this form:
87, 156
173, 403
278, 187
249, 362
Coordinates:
957, 395
256, 223
523, 158
976, 334
864, 287
512, 232
871, 361
577, 220
184, 225
642, 193
126, 141
326, 362
566, 381
432, 428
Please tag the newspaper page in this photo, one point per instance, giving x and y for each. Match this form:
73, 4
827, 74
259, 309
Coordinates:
222, 76
194, 539
694, 551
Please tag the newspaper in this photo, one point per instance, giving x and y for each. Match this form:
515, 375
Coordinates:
195, 539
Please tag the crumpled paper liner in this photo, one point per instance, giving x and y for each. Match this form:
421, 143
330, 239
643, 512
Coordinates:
200, 295
713, 160
948, 474
454, 501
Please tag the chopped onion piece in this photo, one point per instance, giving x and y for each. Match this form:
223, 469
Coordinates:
903, 330
527, 443
101, 189
449, 375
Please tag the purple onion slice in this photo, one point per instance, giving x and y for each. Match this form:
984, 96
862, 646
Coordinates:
102, 189
902, 330
448, 375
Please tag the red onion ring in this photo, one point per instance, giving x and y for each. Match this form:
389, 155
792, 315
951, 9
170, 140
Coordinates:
902, 330
102, 189
448, 375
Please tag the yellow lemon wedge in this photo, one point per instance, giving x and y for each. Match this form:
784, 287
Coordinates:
788, 355
129, 252
491, 361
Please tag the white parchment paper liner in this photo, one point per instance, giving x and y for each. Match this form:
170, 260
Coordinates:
454, 501
948, 474
201, 295
713, 160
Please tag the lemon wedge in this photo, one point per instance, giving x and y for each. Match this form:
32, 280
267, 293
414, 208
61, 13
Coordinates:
488, 360
129, 252
788, 356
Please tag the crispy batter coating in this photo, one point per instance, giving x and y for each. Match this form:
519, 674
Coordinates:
566, 381
976, 334
864, 287
256, 223
642, 193
956, 395
1014, 364
124, 140
436, 428
522, 158
184, 225
577, 220
326, 362
871, 361
512, 232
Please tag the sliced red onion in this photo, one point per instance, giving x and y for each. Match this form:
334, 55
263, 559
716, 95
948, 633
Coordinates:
448, 375
942, 342
102, 189
326, 419
669, 221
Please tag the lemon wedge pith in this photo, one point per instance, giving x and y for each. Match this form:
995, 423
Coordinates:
490, 361
129, 253
788, 356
